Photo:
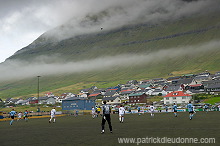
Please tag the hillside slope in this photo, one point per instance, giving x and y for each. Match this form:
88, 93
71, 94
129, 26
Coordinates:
143, 51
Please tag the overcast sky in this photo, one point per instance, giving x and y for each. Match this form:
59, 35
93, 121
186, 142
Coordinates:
23, 21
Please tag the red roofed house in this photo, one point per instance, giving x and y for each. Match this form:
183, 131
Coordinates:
95, 96
178, 97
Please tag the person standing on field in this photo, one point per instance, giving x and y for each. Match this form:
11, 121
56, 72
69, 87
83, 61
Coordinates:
175, 109
12, 115
191, 110
26, 115
93, 112
52, 115
106, 109
19, 116
121, 113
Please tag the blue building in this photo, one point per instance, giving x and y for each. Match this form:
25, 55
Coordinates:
77, 104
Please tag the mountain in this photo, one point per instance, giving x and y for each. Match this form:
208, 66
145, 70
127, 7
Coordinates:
106, 57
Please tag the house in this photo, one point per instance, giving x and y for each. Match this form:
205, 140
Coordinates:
114, 100
138, 97
8, 100
170, 79
111, 92
185, 82
14, 101
144, 86
24, 102
18, 101
86, 91
178, 97
132, 82
171, 88
213, 89
95, 96
49, 94
51, 100
199, 79
198, 87
217, 73
65, 96
124, 94
83, 95
211, 82
158, 92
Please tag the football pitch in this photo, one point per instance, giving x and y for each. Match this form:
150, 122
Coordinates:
83, 130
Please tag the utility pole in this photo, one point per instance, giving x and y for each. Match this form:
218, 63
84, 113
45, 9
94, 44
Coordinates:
38, 88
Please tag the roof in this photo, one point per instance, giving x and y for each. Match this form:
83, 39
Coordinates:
136, 94
96, 94
109, 98
214, 86
183, 81
110, 92
113, 89
176, 94
144, 85
196, 85
173, 88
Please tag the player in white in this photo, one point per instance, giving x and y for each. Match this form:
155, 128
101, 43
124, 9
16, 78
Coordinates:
121, 112
93, 112
152, 110
19, 116
52, 115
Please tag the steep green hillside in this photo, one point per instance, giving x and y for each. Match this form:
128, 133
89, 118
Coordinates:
129, 39
189, 45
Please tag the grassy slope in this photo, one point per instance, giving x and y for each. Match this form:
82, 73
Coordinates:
119, 42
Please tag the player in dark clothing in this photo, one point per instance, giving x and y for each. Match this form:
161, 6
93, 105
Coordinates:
106, 109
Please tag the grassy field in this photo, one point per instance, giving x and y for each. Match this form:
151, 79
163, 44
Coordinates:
84, 130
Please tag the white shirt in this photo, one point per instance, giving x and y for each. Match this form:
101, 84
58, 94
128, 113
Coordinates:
151, 108
121, 110
19, 115
53, 112
93, 110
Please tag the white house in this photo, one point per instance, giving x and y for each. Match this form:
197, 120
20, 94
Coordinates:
112, 100
178, 97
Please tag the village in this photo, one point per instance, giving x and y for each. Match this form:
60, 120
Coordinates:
175, 89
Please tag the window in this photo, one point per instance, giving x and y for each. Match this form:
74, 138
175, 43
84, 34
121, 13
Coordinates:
174, 98
183, 97
167, 98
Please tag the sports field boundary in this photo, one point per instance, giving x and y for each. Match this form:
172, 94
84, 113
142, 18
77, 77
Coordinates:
33, 117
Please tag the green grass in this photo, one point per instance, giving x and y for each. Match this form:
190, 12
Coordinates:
84, 130
212, 100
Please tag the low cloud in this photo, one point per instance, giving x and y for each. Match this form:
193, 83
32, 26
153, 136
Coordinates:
15, 69
113, 14
21, 22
